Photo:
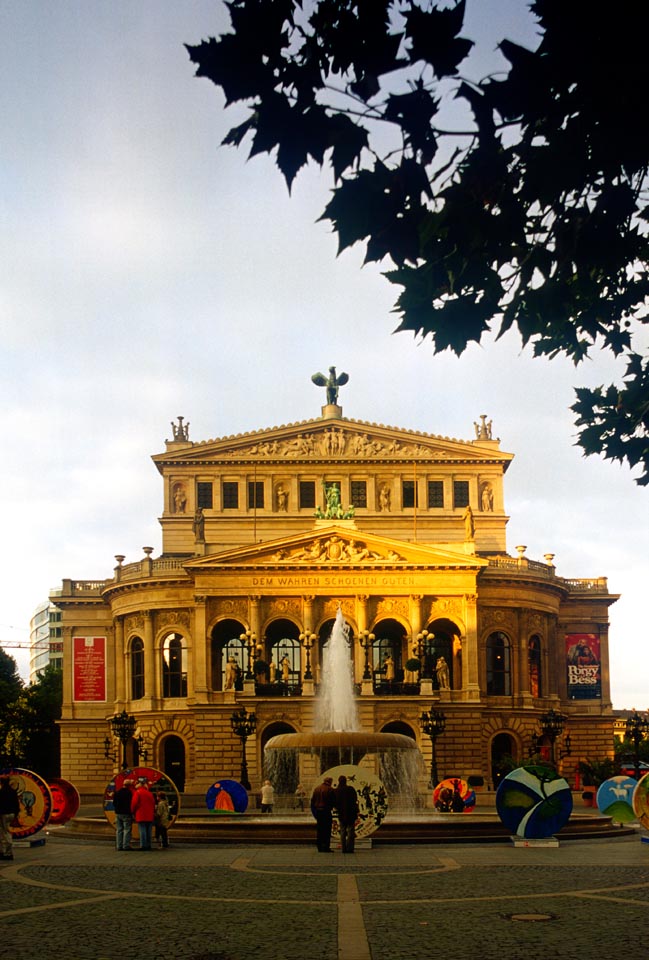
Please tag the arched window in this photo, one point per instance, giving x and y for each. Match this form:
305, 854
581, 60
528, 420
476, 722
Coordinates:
235, 650
174, 666
387, 651
534, 665
437, 645
137, 668
225, 643
499, 681
285, 656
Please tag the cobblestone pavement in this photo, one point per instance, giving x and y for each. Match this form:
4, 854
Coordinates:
87, 901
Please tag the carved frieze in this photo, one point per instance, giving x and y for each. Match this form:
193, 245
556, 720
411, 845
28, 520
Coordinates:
334, 549
330, 608
498, 619
133, 623
172, 618
392, 607
290, 607
237, 608
337, 442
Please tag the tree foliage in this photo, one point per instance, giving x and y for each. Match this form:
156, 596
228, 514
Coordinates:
29, 734
532, 216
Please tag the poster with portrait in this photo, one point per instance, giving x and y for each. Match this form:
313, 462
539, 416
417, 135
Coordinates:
584, 667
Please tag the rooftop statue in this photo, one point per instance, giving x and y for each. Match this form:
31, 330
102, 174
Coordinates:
332, 383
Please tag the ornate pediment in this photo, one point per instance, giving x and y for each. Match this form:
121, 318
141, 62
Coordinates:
337, 545
338, 439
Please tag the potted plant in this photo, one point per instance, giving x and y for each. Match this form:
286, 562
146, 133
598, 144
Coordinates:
412, 667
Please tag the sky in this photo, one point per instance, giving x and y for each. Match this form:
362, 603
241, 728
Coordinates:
147, 272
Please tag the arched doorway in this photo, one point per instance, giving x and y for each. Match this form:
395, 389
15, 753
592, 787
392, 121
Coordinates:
503, 756
282, 649
173, 760
280, 766
225, 643
387, 653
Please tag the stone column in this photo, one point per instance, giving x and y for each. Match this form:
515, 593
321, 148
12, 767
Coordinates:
151, 674
200, 650
121, 673
470, 651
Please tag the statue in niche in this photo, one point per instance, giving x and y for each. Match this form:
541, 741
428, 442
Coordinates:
285, 667
443, 675
388, 668
199, 525
487, 498
469, 524
231, 673
331, 384
282, 498
385, 504
180, 498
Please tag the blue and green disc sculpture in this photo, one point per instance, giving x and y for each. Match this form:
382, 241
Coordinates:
534, 802
615, 798
640, 801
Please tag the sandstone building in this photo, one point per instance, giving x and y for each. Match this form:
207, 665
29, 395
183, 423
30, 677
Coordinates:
264, 535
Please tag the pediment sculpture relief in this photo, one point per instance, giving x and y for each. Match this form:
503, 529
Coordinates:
336, 442
334, 549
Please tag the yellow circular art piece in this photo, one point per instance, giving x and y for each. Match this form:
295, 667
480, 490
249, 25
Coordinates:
372, 798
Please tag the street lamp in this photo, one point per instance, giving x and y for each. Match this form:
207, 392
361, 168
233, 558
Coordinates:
366, 640
433, 724
421, 653
122, 726
637, 726
308, 639
552, 724
244, 725
250, 640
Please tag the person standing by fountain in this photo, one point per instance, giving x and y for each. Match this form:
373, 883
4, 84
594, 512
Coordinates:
322, 804
267, 797
347, 809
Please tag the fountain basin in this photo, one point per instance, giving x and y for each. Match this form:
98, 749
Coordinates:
361, 741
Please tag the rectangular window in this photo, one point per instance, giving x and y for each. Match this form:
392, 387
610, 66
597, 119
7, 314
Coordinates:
255, 494
204, 497
435, 493
307, 494
460, 493
408, 493
359, 493
230, 495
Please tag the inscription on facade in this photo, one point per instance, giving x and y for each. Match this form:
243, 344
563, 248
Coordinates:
335, 580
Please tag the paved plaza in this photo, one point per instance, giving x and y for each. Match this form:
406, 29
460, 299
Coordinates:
86, 901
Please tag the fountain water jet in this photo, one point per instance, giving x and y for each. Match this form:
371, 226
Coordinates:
337, 737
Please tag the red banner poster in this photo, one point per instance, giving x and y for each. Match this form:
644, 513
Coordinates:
584, 666
89, 671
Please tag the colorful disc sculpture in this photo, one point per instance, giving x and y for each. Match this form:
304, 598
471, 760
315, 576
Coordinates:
453, 795
615, 798
534, 802
158, 782
65, 801
226, 796
372, 797
35, 802
641, 801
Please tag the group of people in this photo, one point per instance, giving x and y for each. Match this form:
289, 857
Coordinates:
344, 800
135, 802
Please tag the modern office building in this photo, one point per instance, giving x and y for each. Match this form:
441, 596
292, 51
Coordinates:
45, 639
264, 536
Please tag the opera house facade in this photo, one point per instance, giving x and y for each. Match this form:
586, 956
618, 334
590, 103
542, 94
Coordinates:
264, 536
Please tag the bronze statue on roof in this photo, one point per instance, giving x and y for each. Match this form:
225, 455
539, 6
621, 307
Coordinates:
332, 383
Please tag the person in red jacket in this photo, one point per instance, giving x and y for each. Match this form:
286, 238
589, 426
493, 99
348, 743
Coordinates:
143, 809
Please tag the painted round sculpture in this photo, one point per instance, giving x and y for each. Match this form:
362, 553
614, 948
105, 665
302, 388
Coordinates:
453, 795
65, 801
226, 796
35, 800
534, 802
641, 801
372, 797
615, 798
158, 782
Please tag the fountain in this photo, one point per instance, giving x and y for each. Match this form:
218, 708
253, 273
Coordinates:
337, 738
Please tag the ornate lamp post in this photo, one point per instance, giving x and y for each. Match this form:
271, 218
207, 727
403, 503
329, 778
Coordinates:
122, 726
421, 653
433, 724
552, 724
366, 640
244, 725
250, 639
637, 727
307, 640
